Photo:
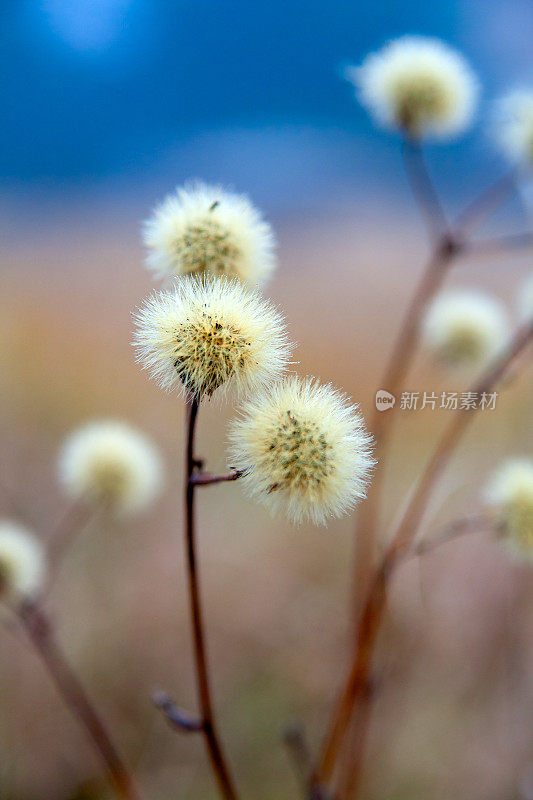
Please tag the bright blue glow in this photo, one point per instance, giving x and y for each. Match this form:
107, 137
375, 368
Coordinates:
87, 25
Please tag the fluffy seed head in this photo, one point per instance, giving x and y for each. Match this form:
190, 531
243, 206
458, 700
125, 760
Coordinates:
419, 85
205, 230
465, 327
510, 494
110, 464
525, 299
305, 450
514, 127
208, 333
22, 564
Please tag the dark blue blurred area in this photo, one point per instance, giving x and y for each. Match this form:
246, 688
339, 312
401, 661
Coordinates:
245, 92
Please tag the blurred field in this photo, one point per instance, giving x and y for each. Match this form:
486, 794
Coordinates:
456, 663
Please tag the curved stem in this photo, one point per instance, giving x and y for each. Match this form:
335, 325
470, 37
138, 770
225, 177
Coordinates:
374, 606
40, 634
216, 756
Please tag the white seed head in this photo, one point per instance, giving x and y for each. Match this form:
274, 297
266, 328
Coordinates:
510, 494
514, 127
22, 562
418, 85
111, 465
465, 327
305, 450
207, 334
203, 229
525, 299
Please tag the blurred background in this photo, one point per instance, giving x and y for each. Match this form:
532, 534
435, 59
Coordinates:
106, 106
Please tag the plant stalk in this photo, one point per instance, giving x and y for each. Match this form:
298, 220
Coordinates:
39, 631
208, 728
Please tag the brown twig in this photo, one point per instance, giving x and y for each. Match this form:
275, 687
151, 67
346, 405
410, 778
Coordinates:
68, 527
203, 479
453, 530
374, 606
38, 629
208, 729
497, 245
349, 780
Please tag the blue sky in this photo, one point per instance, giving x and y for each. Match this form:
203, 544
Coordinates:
245, 92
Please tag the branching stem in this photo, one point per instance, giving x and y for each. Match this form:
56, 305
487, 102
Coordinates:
373, 608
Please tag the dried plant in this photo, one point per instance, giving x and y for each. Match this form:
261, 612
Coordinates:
298, 446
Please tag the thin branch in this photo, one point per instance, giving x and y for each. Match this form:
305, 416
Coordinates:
373, 610
453, 530
423, 188
486, 204
499, 245
381, 422
461, 418
67, 529
202, 479
38, 629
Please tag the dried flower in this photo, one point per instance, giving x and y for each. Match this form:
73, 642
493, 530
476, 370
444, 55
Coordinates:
22, 564
514, 127
305, 450
110, 464
208, 333
510, 495
204, 229
419, 85
465, 327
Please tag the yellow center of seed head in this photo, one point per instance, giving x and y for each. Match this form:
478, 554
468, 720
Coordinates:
4, 578
109, 481
208, 353
464, 342
299, 455
420, 100
207, 247
519, 523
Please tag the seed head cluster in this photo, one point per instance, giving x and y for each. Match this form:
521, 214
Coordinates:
22, 563
111, 465
510, 494
203, 229
418, 85
465, 327
304, 450
209, 333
